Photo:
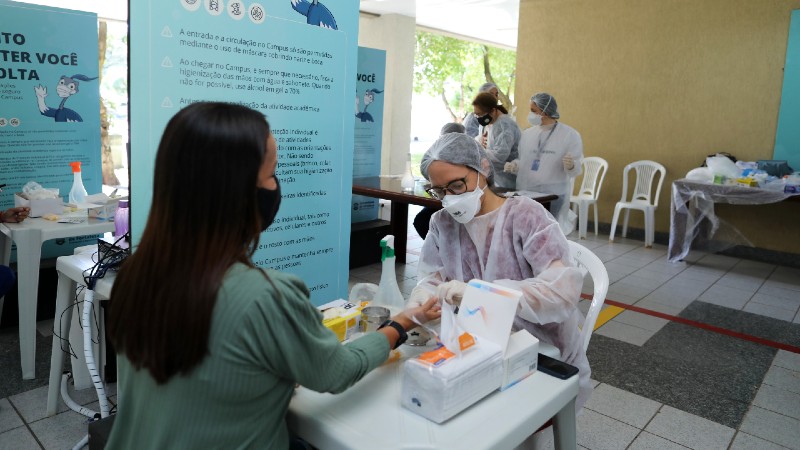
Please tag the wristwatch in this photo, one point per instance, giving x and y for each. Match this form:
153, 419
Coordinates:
400, 330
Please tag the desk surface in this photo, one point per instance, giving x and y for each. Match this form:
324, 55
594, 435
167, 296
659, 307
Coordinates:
53, 230
369, 415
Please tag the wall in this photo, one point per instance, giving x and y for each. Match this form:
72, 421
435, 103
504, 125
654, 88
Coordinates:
667, 80
395, 34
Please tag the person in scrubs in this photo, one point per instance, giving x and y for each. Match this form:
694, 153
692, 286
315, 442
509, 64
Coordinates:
550, 154
501, 141
470, 121
513, 242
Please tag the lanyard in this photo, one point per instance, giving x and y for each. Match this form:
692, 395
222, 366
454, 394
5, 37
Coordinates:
540, 148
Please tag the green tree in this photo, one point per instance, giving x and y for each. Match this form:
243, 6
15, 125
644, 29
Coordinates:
453, 70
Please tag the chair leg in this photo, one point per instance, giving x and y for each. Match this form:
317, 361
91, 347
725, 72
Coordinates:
583, 219
595, 217
625, 222
649, 226
614, 222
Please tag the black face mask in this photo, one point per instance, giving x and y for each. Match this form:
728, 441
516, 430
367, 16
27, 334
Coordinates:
268, 203
485, 119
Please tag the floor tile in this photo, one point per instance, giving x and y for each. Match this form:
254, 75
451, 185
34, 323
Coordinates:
745, 282
772, 427
726, 296
777, 302
648, 441
783, 379
630, 290
667, 297
19, 439
744, 441
654, 274
778, 400
787, 360
689, 430
642, 281
61, 431
625, 333
641, 320
599, 432
9, 418
622, 298
622, 405
774, 291
655, 304
791, 285
45, 328
32, 405
770, 311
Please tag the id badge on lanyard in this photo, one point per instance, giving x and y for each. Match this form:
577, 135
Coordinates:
537, 161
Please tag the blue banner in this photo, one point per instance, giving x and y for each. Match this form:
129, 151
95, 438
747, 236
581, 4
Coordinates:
49, 103
787, 138
370, 80
290, 59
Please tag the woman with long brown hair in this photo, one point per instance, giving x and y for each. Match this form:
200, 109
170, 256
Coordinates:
210, 346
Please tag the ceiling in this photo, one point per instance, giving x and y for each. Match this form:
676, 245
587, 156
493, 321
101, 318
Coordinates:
492, 21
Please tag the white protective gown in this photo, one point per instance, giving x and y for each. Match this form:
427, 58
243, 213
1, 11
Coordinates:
537, 143
502, 146
517, 243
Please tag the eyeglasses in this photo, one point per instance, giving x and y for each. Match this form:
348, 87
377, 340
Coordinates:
455, 187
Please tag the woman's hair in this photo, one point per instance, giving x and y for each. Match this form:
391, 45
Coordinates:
487, 102
203, 218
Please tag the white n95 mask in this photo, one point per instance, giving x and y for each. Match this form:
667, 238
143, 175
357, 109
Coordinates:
534, 119
463, 207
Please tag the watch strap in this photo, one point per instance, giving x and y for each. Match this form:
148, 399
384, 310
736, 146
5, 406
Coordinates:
400, 330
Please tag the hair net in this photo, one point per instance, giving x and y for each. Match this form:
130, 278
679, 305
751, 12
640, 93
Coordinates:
486, 87
457, 148
453, 127
547, 103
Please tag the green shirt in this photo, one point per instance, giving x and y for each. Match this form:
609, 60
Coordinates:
263, 340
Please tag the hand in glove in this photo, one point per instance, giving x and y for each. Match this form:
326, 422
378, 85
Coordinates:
418, 315
452, 292
569, 163
419, 296
512, 166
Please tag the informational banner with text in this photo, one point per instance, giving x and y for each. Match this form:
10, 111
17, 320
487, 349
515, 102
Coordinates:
292, 60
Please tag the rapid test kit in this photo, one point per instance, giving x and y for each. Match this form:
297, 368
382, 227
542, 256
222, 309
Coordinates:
477, 357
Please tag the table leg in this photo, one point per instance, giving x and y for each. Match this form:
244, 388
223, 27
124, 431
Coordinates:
29, 253
5, 254
564, 428
400, 229
64, 296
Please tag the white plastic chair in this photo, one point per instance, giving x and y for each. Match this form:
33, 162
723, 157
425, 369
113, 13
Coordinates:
643, 199
583, 257
594, 171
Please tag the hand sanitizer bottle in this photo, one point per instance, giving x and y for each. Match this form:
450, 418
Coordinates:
78, 193
389, 294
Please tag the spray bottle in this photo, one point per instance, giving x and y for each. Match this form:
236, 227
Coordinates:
78, 193
389, 294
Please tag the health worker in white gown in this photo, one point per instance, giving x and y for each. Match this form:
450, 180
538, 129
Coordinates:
513, 242
550, 154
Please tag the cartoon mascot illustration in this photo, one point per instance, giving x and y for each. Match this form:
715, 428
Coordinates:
316, 13
369, 97
66, 88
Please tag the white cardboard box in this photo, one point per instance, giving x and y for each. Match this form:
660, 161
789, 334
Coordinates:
521, 358
39, 207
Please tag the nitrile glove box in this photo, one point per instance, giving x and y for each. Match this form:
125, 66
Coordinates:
440, 392
522, 355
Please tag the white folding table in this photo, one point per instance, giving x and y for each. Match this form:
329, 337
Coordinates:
369, 415
29, 237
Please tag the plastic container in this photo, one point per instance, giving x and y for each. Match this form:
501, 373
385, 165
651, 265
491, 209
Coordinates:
121, 218
78, 193
389, 294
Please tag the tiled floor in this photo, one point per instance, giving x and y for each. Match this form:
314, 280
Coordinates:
661, 384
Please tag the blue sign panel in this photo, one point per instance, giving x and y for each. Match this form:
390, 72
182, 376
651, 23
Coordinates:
369, 126
292, 60
787, 139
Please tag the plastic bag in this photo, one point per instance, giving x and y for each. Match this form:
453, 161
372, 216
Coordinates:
722, 165
363, 292
35, 191
701, 174
776, 168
